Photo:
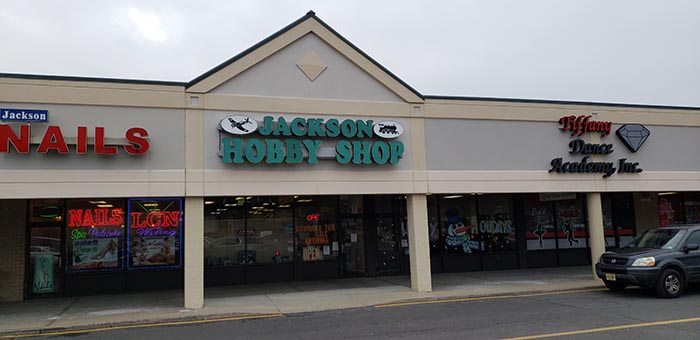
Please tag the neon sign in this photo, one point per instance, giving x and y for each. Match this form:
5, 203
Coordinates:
154, 219
95, 217
155, 233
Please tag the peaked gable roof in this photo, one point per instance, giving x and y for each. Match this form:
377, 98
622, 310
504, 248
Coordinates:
287, 35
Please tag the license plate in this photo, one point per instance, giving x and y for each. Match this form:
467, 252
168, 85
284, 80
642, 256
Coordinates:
610, 277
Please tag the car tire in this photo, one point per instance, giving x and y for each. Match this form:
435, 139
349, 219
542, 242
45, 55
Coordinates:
671, 284
614, 286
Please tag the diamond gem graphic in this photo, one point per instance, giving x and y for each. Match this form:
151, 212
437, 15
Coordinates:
633, 135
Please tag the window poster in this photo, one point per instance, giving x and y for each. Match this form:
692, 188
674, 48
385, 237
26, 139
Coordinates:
541, 233
496, 224
572, 224
461, 237
155, 233
95, 234
43, 273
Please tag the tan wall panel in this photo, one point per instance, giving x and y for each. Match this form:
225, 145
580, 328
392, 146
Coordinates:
306, 106
85, 176
250, 59
36, 184
296, 32
92, 84
307, 182
541, 181
91, 96
306, 176
305, 188
96, 189
551, 113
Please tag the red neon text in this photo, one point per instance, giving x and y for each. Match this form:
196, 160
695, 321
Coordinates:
155, 219
95, 217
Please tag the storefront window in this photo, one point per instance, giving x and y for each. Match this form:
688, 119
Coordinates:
353, 233
691, 207
434, 225
670, 208
155, 233
95, 234
224, 231
496, 226
608, 227
269, 230
315, 228
459, 224
571, 222
540, 232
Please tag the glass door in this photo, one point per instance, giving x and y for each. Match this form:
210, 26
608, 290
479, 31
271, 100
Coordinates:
353, 236
45, 261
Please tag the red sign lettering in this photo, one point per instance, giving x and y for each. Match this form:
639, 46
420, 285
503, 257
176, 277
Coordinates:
53, 139
155, 219
95, 217
582, 124
7, 137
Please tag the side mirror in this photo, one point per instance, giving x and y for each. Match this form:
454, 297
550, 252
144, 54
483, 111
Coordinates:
691, 247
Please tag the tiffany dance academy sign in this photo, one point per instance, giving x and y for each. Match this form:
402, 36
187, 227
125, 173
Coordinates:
632, 135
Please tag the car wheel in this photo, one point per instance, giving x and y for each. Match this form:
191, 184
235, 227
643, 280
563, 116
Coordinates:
614, 286
671, 284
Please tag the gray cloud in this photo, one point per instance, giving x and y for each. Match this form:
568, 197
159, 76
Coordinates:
643, 52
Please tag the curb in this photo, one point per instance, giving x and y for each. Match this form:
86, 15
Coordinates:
221, 317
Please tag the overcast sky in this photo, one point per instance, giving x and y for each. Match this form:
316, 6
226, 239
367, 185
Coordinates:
633, 51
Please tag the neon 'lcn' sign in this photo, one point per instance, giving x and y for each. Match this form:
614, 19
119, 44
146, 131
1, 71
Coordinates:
155, 219
95, 217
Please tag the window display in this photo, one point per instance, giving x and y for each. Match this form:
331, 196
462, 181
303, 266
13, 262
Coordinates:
540, 232
670, 208
496, 226
268, 234
315, 228
461, 234
691, 207
45, 259
155, 233
353, 239
95, 234
224, 231
572, 223
434, 226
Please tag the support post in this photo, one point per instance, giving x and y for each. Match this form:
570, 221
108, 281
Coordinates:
595, 227
194, 252
419, 247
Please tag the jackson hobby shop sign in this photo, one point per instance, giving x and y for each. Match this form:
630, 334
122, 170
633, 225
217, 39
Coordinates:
274, 140
632, 135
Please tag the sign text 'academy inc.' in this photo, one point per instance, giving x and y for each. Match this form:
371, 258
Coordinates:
580, 125
303, 139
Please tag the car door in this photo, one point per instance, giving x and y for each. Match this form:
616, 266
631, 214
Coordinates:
692, 258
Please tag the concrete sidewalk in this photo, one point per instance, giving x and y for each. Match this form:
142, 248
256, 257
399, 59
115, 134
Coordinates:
43, 315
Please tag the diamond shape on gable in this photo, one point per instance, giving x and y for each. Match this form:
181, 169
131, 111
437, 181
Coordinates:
312, 65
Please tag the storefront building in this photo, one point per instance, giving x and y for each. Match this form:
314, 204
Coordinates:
304, 159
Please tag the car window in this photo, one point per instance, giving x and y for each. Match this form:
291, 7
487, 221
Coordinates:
658, 238
694, 238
